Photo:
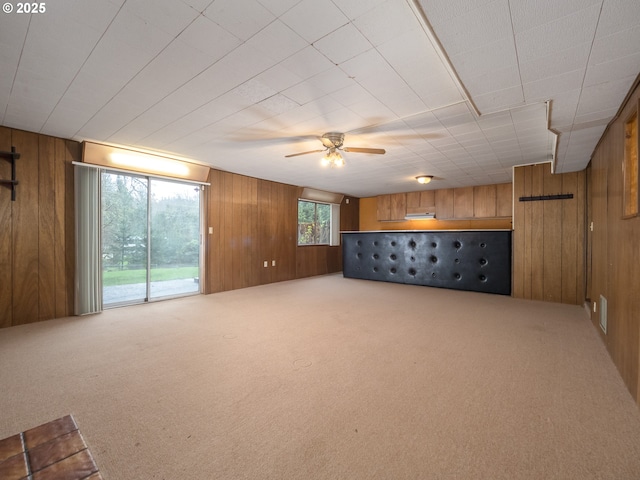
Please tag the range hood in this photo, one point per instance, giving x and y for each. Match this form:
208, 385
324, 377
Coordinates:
420, 216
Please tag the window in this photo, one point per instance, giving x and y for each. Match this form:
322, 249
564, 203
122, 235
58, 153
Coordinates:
314, 223
630, 195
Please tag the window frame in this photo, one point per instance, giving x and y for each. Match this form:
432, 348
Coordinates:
334, 219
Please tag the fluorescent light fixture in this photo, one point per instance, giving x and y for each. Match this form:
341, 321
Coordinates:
110, 156
147, 162
320, 196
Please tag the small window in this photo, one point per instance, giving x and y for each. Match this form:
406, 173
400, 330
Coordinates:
630, 194
314, 223
318, 223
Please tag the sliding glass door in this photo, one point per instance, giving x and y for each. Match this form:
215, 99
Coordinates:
150, 238
175, 239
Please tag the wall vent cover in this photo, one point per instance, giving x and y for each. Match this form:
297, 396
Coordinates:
603, 314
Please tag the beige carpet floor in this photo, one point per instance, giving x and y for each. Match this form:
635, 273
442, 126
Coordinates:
329, 378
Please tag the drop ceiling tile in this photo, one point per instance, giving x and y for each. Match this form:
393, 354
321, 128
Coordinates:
625, 67
617, 45
366, 65
313, 19
276, 42
601, 96
170, 17
353, 94
386, 21
355, 8
479, 27
542, 41
440, 11
331, 80
594, 119
242, 19
307, 63
529, 14
491, 81
342, 44
278, 7
440, 98
209, 38
495, 101
616, 16
176, 65
424, 120
555, 64
493, 120
373, 112
549, 87
278, 78
488, 58
303, 93
278, 104
242, 64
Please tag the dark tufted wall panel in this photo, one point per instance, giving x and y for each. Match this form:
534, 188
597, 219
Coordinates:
467, 260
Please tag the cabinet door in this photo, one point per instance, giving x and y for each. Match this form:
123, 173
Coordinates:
413, 201
484, 201
384, 207
428, 199
463, 202
444, 203
504, 200
398, 206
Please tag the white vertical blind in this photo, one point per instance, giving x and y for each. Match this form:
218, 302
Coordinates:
88, 242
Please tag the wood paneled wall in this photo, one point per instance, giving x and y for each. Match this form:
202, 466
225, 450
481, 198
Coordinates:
255, 221
37, 230
615, 252
548, 236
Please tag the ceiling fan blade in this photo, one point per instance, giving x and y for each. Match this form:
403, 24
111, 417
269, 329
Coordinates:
303, 153
379, 151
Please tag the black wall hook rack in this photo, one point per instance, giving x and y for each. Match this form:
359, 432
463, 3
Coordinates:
536, 198
11, 157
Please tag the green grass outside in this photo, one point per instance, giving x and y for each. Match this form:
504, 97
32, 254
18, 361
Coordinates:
126, 277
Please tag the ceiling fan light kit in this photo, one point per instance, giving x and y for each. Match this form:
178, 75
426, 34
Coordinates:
333, 159
424, 179
333, 142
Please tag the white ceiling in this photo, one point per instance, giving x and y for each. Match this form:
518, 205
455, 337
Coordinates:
239, 84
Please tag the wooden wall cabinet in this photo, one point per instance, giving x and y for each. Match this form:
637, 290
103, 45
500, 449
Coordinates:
392, 207
421, 202
484, 201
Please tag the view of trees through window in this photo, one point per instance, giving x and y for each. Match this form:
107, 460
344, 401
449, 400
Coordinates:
314, 223
150, 238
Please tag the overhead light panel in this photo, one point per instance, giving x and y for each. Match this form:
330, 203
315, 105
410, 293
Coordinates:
119, 158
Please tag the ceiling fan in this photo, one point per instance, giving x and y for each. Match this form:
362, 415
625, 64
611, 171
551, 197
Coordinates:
333, 143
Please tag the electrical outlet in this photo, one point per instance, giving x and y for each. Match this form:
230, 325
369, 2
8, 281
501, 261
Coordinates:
266, 264
273, 263
210, 230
